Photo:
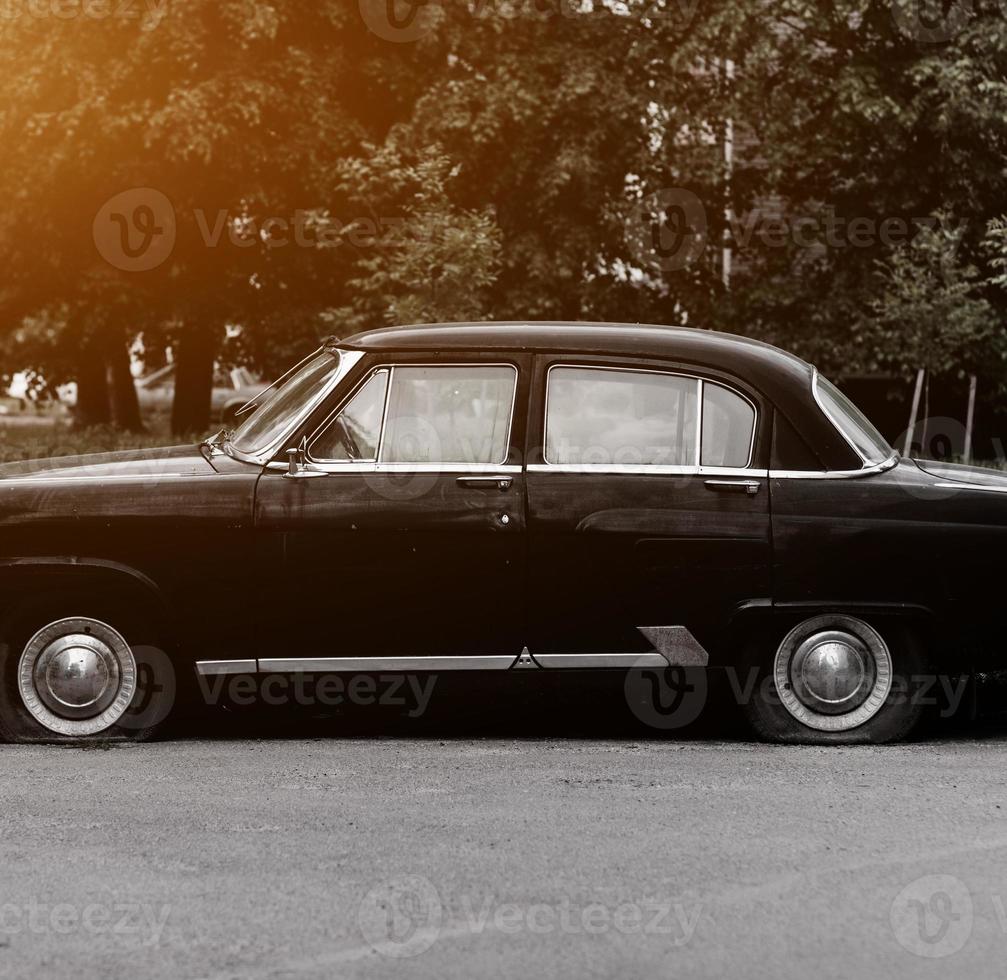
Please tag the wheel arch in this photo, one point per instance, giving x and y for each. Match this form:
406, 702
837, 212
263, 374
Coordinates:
27, 579
757, 617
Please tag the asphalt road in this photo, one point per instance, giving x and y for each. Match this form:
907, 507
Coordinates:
457, 856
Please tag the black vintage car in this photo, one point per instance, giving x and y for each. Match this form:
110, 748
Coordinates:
540, 497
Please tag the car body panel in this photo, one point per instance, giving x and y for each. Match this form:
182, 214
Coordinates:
375, 564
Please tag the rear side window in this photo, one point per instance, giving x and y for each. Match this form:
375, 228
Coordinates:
595, 415
728, 427
641, 418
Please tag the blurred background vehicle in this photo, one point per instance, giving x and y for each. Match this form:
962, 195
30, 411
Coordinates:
231, 389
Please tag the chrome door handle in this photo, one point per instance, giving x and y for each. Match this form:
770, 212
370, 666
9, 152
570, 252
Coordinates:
500, 483
750, 487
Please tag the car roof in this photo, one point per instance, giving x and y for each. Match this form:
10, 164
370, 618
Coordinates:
777, 372
783, 378
647, 339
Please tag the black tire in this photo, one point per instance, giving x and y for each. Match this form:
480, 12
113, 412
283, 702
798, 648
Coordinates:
149, 710
893, 721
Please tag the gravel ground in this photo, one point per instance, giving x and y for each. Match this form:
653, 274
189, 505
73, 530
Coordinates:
457, 856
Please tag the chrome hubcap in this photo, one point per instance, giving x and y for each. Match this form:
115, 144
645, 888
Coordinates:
833, 673
77, 676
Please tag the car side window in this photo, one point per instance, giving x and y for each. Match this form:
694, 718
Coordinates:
424, 414
597, 415
601, 415
728, 427
353, 435
449, 414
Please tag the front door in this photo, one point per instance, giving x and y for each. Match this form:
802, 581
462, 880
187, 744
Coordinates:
648, 511
408, 552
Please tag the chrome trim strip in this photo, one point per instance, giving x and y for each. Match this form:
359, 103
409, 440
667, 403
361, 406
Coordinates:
951, 485
482, 469
699, 425
644, 470
835, 474
815, 375
674, 374
835, 425
299, 665
214, 668
35, 475
599, 660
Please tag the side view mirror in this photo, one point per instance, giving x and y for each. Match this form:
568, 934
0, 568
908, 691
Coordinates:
298, 467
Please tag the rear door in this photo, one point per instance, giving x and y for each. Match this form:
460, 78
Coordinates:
648, 509
409, 550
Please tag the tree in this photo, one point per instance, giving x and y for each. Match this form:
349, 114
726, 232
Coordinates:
421, 259
140, 163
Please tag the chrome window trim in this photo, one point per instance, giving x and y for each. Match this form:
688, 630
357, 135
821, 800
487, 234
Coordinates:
644, 467
835, 474
348, 359
377, 465
364, 466
643, 470
867, 462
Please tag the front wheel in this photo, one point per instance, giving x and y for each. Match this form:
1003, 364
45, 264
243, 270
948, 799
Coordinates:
835, 679
79, 678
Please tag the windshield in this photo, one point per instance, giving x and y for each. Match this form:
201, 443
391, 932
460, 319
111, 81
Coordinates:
281, 402
854, 425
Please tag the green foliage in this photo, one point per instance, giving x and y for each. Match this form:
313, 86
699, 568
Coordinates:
932, 312
420, 258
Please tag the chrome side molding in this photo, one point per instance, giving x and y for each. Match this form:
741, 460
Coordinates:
674, 646
596, 661
365, 665
214, 668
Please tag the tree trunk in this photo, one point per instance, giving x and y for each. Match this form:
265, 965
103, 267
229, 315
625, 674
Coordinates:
194, 351
93, 402
125, 407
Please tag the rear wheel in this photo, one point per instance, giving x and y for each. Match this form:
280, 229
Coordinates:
837, 679
82, 678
